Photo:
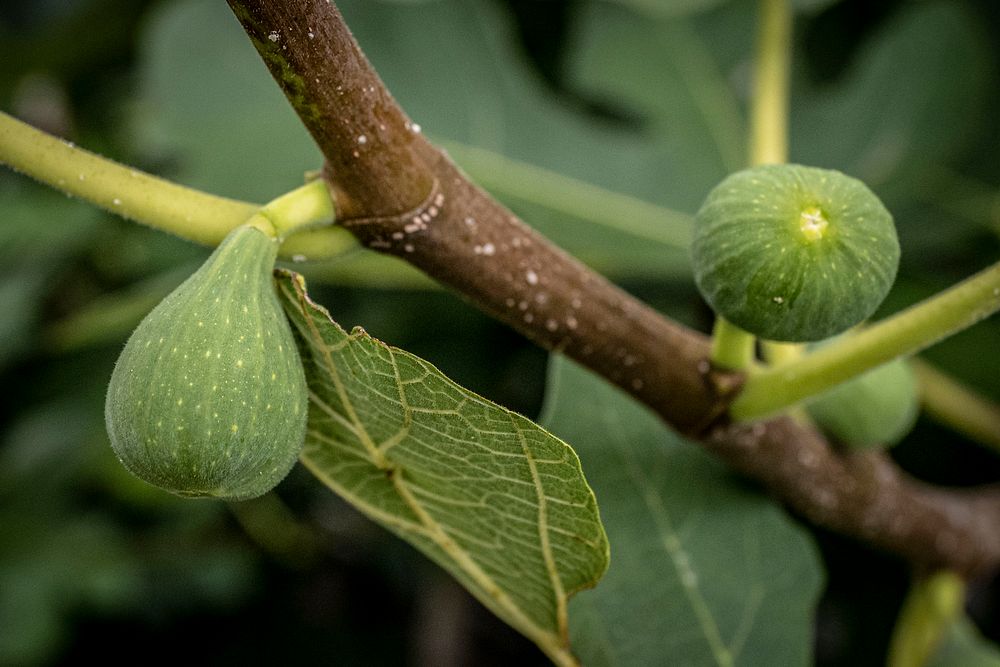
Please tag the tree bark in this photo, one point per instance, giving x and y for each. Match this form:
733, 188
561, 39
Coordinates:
402, 196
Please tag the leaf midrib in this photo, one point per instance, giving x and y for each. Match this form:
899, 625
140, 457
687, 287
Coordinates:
555, 645
671, 543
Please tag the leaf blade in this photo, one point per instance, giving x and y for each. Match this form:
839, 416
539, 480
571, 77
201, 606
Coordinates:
706, 571
488, 495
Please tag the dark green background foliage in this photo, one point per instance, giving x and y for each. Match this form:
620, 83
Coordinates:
644, 97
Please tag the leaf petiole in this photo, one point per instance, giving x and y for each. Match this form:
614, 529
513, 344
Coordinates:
933, 605
953, 404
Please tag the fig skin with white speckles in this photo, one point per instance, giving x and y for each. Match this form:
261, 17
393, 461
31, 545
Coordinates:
793, 253
208, 398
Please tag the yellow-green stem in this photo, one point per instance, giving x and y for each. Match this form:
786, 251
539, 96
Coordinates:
903, 334
769, 106
136, 195
776, 353
955, 405
931, 608
117, 188
504, 176
732, 347
303, 207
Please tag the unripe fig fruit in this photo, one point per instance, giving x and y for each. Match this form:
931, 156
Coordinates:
794, 253
873, 410
208, 397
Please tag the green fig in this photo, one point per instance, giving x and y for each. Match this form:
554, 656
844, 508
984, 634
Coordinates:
793, 253
208, 398
873, 410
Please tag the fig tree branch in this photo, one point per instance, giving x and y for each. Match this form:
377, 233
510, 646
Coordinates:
402, 196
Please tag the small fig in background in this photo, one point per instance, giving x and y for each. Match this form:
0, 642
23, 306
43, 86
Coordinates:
793, 253
208, 398
876, 409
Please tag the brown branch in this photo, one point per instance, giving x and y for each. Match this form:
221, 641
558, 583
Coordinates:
400, 195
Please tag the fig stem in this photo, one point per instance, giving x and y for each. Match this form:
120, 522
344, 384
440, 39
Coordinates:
304, 207
732, 347
781, 353
932, 606
902, 334
135, 195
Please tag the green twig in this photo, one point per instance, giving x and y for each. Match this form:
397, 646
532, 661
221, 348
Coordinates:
903, 334
931, 608
955, 405
136, 195
117, 188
